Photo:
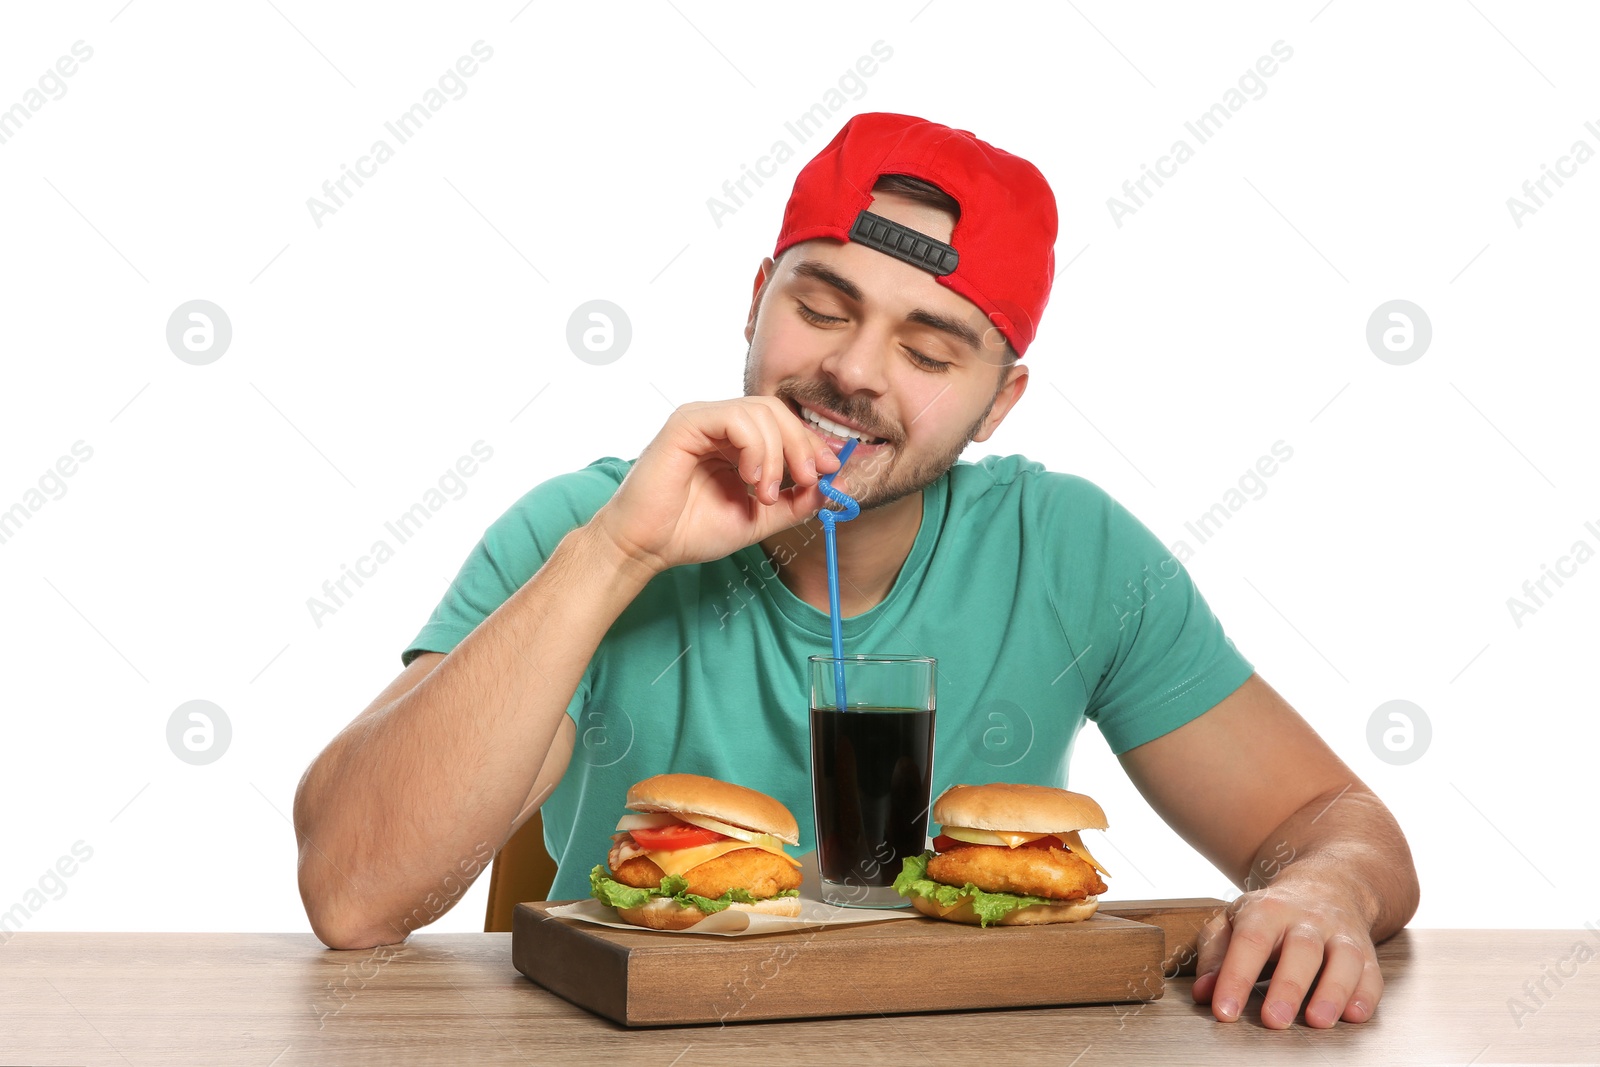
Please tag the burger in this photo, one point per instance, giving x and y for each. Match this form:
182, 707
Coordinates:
696, 846
1007, 855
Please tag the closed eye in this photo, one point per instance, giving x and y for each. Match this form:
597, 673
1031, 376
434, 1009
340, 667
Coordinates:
819, 319
816, 316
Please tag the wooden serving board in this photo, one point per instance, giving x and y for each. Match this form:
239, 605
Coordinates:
1181, 921
645, 978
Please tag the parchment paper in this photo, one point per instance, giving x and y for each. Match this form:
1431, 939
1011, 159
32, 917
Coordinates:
730, 923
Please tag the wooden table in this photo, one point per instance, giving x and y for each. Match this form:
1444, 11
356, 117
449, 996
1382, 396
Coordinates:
282, 999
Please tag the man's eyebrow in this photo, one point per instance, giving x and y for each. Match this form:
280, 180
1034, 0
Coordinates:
821, 272
810, 268
962, 332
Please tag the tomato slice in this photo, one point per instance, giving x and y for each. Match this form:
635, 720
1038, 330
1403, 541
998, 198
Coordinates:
676, 836
945, 844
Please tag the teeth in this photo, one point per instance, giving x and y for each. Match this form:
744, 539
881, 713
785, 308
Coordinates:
833, 427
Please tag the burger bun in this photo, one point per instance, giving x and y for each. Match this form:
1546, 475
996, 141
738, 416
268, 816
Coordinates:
663, 913
1033, 915
1033, 809
695, 794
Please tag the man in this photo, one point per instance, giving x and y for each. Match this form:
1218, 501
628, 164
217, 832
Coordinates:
665, 607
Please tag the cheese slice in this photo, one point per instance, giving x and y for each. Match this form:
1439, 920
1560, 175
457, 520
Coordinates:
1017, 839
1076, 844
679, 860
991, 837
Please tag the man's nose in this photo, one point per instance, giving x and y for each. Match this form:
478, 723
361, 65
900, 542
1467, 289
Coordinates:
860, 362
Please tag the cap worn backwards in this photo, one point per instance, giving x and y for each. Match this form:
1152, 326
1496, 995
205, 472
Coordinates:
1001, 254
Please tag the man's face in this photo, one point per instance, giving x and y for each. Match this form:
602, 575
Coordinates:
857, 337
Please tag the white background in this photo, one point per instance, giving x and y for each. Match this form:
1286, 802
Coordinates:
424, 315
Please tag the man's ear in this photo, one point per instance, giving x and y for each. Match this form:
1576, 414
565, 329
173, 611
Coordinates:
764, 275
1009, 394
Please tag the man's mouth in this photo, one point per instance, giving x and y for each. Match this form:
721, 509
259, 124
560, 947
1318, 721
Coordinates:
832, 430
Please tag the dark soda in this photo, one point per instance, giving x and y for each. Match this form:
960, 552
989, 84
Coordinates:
871, 774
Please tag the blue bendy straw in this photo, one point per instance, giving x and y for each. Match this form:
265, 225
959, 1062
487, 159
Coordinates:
828, 517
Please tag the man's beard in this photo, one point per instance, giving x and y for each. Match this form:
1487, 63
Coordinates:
900, 484
896, 483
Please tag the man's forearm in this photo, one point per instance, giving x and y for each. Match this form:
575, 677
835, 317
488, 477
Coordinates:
396, 802
1348, 843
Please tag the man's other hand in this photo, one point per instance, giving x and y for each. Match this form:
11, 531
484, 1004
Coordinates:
1305, 931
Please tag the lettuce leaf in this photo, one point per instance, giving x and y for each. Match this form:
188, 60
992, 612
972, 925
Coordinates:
675, 887
913, 881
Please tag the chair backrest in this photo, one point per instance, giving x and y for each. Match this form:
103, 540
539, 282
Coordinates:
522, 870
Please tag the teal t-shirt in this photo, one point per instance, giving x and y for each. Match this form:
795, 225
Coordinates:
1045, 602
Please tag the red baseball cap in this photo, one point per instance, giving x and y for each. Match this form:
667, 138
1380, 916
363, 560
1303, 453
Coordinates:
1001, 254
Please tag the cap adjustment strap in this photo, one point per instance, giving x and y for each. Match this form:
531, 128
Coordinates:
904, 243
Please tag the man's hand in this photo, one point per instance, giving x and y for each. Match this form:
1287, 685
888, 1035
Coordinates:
1304, 929
1325, 870
686, 499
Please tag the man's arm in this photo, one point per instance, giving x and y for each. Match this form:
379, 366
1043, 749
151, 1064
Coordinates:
412, 799
1325, 868
445, 764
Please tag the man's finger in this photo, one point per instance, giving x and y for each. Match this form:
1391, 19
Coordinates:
1341, 970
1369, 990
794, 505
808, 457
1299, 959
1210, 948
1253, 941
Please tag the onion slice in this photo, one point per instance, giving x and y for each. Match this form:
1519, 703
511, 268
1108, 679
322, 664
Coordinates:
708, 823
658, 819
646, 822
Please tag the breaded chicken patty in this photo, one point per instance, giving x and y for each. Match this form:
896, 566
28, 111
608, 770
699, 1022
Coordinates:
752, 869
1051, 872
